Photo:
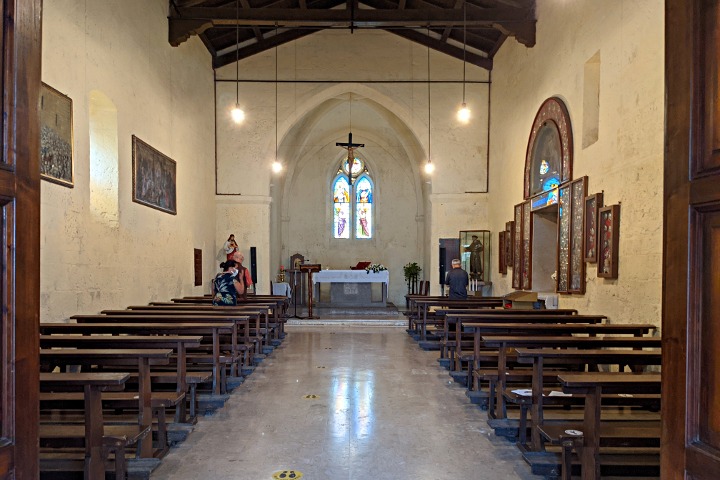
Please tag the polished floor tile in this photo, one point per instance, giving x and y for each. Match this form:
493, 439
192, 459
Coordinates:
346, 403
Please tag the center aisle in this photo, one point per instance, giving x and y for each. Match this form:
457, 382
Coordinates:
384, 409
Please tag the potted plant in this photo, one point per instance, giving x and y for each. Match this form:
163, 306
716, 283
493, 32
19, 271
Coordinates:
411, 272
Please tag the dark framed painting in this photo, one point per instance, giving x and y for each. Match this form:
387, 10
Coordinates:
517, 252
502, 266
154, 178
593, 203
577, 221
526, 246
563, 254
56, 137
509, 236
609, 241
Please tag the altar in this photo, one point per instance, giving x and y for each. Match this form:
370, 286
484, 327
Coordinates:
352, 287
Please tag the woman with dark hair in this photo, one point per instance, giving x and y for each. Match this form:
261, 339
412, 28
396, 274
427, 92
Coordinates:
227, 285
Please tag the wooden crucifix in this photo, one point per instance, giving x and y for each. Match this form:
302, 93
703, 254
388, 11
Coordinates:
350, 146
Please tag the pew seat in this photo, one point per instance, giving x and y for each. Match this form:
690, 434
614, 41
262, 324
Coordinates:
62, 447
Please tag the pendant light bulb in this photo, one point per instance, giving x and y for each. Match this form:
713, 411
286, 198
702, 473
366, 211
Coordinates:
463, 114
277, 167
237, 114
429, 167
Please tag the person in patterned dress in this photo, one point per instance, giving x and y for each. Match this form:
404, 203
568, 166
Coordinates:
227, 285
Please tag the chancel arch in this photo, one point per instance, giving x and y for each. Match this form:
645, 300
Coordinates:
393, 154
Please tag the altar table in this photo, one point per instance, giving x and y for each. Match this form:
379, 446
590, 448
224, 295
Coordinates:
352, 287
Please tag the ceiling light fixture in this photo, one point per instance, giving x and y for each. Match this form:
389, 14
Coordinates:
236, 113
429, 167
463, 113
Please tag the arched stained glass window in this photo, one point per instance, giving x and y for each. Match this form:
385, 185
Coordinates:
353, 204
363, 207
341, 208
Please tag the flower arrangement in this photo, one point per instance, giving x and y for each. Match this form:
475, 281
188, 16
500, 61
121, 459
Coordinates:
375, 268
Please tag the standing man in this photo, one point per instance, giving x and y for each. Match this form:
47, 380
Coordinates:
240, 258
457, 281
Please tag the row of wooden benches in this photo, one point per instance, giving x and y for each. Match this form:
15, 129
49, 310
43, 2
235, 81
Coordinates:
146, 372
522, 365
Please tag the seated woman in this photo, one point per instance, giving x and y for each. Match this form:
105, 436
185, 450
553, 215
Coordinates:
227, 285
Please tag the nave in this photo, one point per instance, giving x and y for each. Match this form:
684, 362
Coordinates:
384, 409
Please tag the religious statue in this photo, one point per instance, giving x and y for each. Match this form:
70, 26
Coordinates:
476, 261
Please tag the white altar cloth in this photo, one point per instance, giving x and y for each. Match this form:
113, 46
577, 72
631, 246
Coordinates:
345, 288
351, 276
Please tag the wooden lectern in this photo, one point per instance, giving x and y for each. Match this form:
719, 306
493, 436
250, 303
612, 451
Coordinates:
310, 268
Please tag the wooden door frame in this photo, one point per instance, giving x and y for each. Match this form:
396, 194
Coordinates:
20, 208
689, 194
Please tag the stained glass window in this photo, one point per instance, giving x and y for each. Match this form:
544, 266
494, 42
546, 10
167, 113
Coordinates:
355, 200
363, 207
341, 208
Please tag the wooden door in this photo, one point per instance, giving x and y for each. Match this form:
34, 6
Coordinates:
19, 239
691, 260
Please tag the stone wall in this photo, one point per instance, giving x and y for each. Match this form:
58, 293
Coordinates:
627, 37
98, 248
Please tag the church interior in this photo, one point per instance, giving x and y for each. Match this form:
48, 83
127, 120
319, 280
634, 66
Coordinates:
570, 175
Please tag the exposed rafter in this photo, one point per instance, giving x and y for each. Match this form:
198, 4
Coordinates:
265, 24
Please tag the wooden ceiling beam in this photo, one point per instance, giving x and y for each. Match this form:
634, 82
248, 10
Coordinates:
267, 44
343, 18
443, 47
446, 32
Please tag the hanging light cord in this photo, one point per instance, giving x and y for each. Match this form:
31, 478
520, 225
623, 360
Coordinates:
428, 79
464, 44
276, 92
237, 52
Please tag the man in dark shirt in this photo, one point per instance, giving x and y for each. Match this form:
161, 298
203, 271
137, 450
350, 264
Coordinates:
457, 280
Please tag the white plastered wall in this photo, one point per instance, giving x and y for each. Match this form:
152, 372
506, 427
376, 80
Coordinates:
389, 116
627, 160
91, 258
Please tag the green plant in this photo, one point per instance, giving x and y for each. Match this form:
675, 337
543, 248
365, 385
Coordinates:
411, 271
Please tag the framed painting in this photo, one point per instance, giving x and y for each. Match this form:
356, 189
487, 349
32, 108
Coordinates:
593, 203
563, 253
577, 221
509, 235
609, 241
56, 137
154, 178
502, 266
516, 248
526, 247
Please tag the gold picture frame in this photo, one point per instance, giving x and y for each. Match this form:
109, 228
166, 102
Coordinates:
55, 110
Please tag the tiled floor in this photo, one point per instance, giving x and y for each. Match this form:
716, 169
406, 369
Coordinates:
384, 409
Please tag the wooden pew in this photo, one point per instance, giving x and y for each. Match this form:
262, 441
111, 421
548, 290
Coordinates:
240, 339
93, 384
539, 357
143, 358
499, 378
214, 329
593, 386
177, 342
448, 334
419, 320
259, 316
274, 329
480, 326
